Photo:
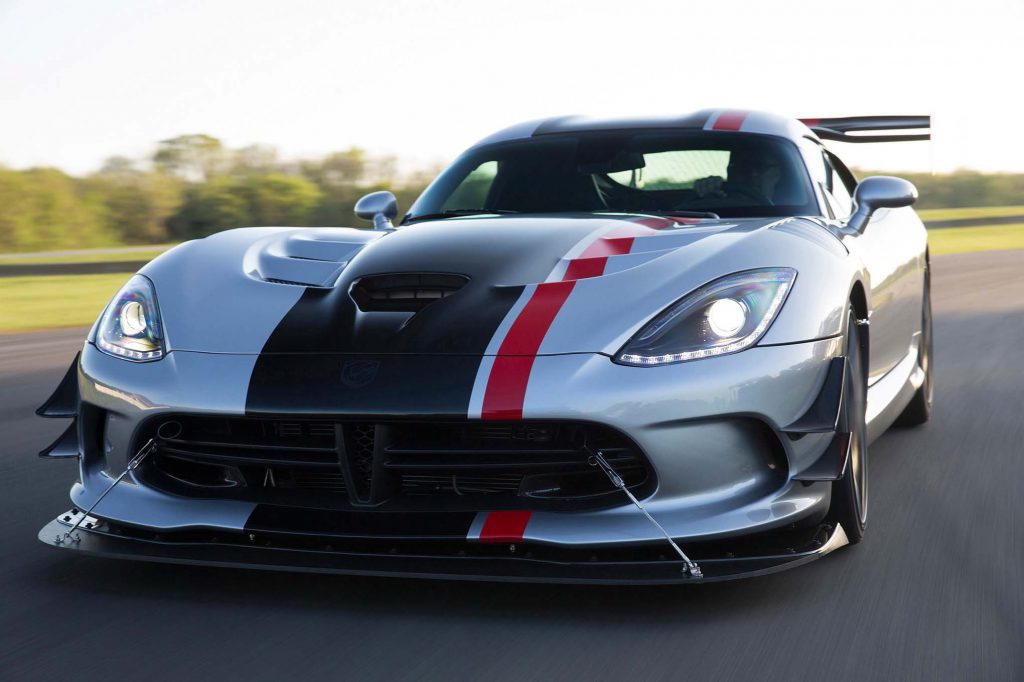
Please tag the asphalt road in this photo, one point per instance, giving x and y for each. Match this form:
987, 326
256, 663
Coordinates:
934, 592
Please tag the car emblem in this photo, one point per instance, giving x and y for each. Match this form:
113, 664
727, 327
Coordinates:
359, 373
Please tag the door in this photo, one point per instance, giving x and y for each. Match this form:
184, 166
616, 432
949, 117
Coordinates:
891, 248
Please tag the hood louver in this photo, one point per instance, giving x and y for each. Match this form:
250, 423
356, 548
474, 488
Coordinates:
404, 292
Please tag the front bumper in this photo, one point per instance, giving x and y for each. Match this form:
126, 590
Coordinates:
704, 426
268, 552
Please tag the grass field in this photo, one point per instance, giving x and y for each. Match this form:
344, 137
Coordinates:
28, 303
94, 256
964, 213
968, 239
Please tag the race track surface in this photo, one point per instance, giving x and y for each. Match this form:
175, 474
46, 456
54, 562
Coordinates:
935, 592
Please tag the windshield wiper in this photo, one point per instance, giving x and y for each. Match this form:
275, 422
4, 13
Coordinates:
456, 212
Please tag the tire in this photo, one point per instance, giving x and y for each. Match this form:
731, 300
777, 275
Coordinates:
919, 409
850, 493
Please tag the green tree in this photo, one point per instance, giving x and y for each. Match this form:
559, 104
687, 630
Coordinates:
337, 170
43, 208
137, 203
277, 199
208, 208
254, 200
963, 188
255, 160
194, 158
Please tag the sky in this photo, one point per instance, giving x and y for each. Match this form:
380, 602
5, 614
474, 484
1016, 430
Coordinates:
82, 81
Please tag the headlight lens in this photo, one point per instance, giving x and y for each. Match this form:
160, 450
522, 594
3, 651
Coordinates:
722, 317
130, 327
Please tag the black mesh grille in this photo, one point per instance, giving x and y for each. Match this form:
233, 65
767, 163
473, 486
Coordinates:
319, 480
248, 441
461, 484
394, 464
359, 447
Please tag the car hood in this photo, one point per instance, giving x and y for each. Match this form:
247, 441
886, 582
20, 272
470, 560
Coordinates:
445, 287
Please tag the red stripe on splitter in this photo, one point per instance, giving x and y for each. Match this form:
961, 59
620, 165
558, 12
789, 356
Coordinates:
506, 386
504, 526
730, 120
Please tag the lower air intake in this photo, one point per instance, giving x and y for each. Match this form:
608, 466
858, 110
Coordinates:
395, 465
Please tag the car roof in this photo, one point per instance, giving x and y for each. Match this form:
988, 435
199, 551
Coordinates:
737, 120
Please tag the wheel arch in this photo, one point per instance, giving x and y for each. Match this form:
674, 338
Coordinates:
859, 302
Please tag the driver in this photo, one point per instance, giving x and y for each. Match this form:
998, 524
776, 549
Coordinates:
750, 175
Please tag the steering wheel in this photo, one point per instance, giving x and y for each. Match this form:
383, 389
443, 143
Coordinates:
730, 190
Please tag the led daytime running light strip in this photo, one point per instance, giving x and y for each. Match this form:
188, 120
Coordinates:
126, 353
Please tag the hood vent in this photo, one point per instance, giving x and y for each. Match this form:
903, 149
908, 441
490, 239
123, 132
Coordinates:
306, 258
407, 292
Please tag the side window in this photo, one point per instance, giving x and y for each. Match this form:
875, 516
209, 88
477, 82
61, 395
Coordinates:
819, 169
472, 193
837, 187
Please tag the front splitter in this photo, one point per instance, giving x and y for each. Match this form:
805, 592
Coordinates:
98, 541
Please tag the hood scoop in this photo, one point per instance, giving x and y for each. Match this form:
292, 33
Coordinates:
408, 292
308, 258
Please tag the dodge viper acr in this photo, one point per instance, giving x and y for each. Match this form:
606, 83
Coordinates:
608, 351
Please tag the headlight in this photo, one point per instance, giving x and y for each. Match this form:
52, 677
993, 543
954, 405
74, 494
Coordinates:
130, 327
722, 317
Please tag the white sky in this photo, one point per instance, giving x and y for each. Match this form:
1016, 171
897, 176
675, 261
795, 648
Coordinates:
83, 80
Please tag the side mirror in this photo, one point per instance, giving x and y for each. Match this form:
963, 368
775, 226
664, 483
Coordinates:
380, 207
879, 191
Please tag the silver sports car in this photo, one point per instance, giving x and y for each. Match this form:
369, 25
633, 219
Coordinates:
642, 351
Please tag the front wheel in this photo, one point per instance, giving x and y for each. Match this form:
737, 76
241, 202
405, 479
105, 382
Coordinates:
850, 493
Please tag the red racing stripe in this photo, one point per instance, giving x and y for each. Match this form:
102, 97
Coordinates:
504, 526
593, 259
609, 246
506, 386
653, 223
582, 268
505, 391
729, 120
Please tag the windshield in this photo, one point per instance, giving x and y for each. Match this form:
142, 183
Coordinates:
729, 174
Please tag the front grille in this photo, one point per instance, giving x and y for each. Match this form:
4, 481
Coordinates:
249, 441
394, 464
461, 484
332, 481
260, 460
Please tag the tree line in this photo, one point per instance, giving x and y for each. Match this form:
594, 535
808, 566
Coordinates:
962, 188
193, 185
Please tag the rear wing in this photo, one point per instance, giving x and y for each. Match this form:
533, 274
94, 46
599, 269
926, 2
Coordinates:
848, 129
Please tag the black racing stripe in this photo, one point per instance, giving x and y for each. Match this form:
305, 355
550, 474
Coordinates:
360, 524
327, 356
392, 385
